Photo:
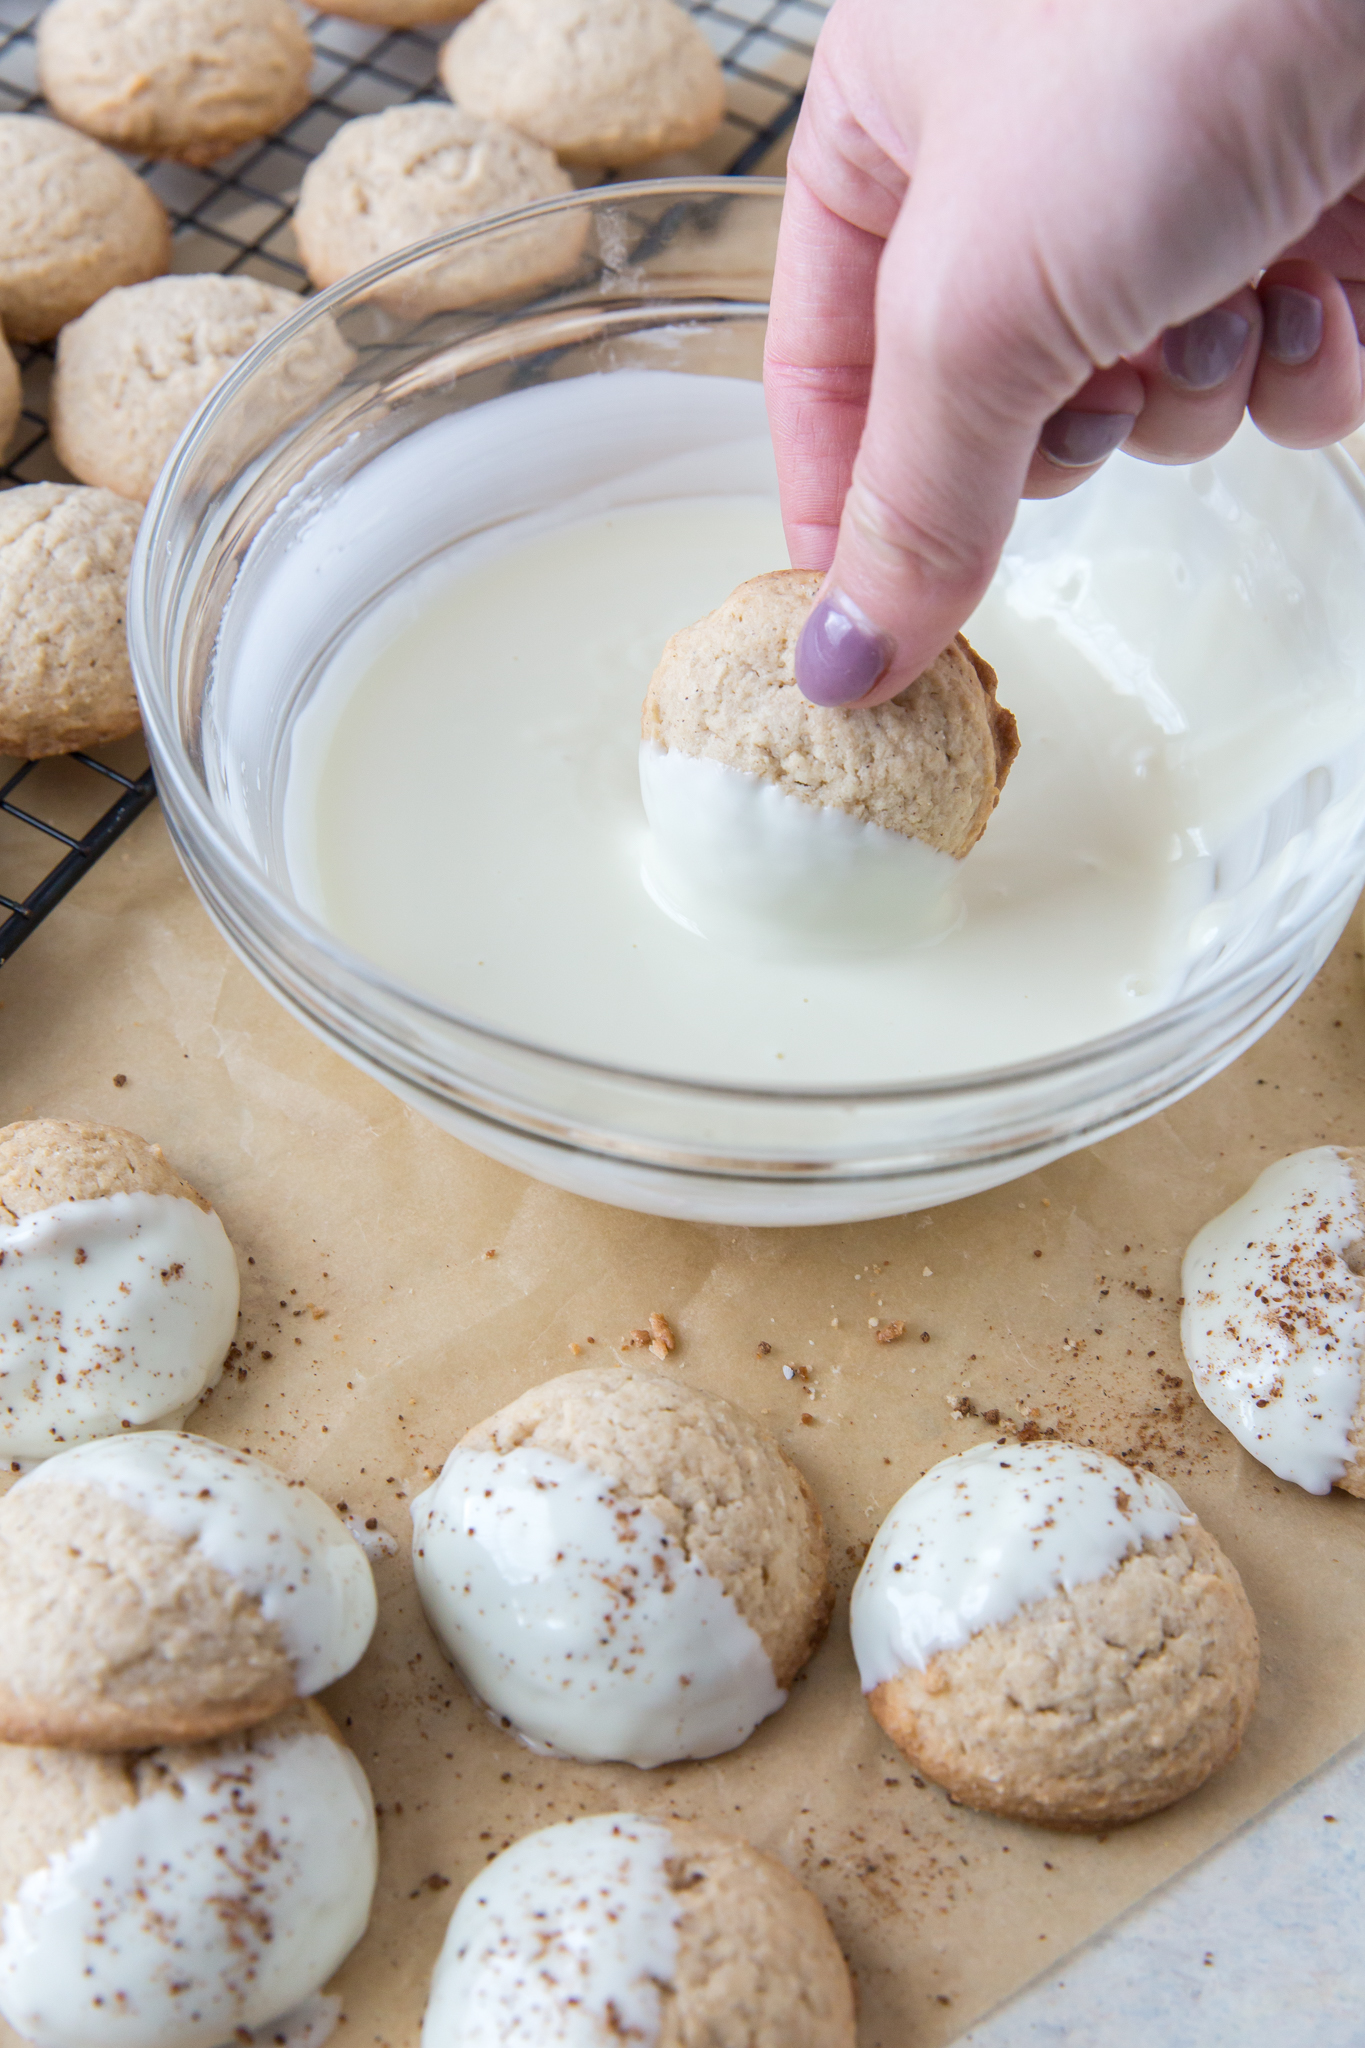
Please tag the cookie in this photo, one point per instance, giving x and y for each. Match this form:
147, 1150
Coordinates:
177, 1898
1274, 1319
159, 78
158, 1588
11, 394
930, 764
132, 372
118, 1285
65, 679
619, 1927
1053, 1636
74, 222
392, 179
649, 1570
600, 82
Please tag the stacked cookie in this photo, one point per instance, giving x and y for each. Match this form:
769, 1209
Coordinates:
187, 1847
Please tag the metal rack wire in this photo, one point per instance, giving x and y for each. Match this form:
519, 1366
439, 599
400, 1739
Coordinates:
235, 217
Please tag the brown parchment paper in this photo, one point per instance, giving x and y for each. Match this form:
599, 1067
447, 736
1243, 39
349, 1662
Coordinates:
376, 1327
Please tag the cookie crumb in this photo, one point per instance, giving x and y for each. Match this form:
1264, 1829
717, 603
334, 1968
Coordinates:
492, 1252
634, 1340
807, 1418
890, 1332
120, 1080
762, 1350
661, 1335
577, 1350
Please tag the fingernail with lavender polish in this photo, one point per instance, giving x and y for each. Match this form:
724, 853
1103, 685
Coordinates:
1078, 440
1293, 325
1206, 350
840, 653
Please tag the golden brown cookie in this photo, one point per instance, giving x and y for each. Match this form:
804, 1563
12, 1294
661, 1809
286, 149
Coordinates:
930, 764
65, 679
156, 1587
392, 179
600, 82
720, 1485
161, 78
133, 370
74, 222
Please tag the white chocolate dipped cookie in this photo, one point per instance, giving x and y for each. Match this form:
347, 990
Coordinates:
133, 370
388, 180
1053, 1636
156, 1587
845, 824
180, 1898
1274, 1319
620, 1928
161, 78
622, 1568
118, 1287
600, 82
74, 222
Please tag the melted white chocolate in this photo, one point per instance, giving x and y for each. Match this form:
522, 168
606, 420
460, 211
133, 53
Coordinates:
577, 1618
990, 1532
562, 1942
114, 1313
1274, 1318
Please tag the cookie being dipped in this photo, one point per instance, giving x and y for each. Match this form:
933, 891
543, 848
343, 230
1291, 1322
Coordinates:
1053, 1636
624, 1928
623, 1568
118, 1284
842, 825
1273, 1325
156, 1587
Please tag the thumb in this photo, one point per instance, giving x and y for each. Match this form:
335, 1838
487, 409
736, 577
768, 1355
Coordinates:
972, 362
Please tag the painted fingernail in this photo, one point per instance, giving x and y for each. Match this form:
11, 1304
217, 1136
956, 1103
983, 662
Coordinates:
1206, 350
1293, 325
1078, 440
840, 653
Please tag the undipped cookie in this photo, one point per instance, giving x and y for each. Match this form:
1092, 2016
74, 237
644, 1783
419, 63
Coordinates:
74, 222
162, 78
118, 1285
155, 1587
623, 1928
930, 764
65, 680
391, 179
623, 1567
133, 370
1052, 1636
182, 1897
600, 82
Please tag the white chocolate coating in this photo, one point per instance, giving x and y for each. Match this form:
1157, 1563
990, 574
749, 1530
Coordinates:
1274, 1318
561, 1943
272, 1535
989, 1532
735, 858
113, 1311
577, 1618
177, 1920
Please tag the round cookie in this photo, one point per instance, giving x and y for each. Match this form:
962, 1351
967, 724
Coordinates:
160, 78
118, 1286
65, 678
391, 179
74, 222
600, 82
930, 764
1274, 1319
11, 394
180, 1898
1052, 1636
160, 1588
619, 1927
623, 1568
132, 371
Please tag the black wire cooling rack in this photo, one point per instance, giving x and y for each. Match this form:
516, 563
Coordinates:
235, 217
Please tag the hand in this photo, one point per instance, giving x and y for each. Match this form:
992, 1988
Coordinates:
1019, 234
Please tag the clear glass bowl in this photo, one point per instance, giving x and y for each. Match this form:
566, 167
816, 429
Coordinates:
673, 275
